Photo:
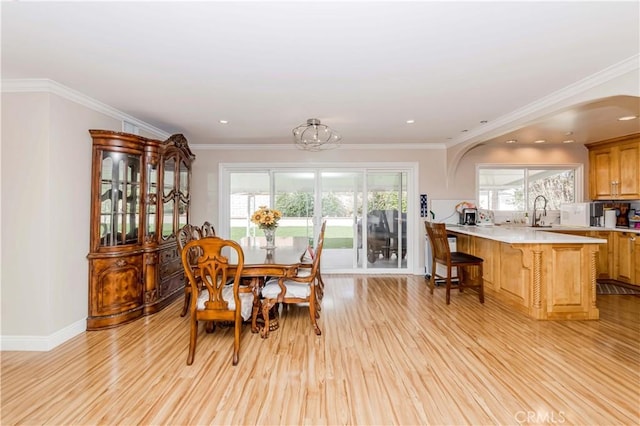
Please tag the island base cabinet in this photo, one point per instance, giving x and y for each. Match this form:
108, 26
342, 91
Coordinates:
512, 284
555, 281
604, 266
552, 281
486, 249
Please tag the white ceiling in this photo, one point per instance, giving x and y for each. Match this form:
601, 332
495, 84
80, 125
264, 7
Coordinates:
363, 68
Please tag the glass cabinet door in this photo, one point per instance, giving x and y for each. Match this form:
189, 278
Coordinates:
119, 199
168, 198
152, 195
183, 198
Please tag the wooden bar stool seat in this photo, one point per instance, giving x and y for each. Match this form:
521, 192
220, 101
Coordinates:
464, 262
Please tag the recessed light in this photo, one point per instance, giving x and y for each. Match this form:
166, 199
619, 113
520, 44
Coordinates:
627, 117
540, 141
568, 133
512, 141
484, 122
568, 141
465, 130
411, 121
223, 121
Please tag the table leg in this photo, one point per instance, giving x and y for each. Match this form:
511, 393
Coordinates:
256, 283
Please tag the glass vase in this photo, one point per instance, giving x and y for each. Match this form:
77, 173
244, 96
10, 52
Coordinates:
270, 237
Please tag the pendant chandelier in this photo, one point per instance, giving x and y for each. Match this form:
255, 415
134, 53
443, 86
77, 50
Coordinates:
315, 136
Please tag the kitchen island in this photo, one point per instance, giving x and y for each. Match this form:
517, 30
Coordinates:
546, 275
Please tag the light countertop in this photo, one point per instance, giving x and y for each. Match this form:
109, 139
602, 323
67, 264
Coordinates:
523, 234
593, 228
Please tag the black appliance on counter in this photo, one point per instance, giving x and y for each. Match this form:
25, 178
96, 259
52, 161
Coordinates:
469, 217
596, 213
622, 212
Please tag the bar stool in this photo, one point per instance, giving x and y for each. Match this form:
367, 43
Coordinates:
442, 254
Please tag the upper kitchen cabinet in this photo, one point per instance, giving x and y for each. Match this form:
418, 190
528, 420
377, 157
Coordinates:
614, 168
139, 199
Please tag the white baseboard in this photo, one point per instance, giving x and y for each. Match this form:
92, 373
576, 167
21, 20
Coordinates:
42, 343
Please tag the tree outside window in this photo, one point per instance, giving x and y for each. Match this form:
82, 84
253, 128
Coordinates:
515, 188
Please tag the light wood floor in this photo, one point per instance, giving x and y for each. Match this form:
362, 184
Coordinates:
389, 354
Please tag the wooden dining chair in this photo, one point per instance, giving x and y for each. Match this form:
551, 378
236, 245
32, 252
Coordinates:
306, 265
441, 253
299, 287
215, 288
207, 230
185, 235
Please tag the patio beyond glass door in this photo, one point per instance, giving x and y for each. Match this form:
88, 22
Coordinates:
247, 192
365, 211
342, 203
386, 220
294, 195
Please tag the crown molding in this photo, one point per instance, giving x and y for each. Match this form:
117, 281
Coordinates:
327, 165
292, 147
623, 67
50, 86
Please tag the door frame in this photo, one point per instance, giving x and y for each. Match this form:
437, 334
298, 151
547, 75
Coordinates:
414, 235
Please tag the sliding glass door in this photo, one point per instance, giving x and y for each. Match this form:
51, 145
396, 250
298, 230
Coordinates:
365, 210
386, 219
341, 194
294, 196
247, 191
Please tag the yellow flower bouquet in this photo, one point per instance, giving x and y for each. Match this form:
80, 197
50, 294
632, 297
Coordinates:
266, 218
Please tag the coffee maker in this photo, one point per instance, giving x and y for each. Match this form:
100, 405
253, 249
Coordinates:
468, 217
622, 212
596, 213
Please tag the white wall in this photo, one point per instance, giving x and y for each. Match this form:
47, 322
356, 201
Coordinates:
25, 214
514, 154
46, 172
69, 214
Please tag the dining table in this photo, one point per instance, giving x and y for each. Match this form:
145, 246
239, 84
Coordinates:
261, 263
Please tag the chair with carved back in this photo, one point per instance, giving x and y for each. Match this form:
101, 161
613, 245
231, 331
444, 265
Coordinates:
442, 254
207, 230
297, 288
215, 287
306, 264
185, 235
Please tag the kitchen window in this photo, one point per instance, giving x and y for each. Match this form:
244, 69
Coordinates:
514, 188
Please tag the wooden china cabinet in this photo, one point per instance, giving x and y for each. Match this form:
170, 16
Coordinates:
139, 200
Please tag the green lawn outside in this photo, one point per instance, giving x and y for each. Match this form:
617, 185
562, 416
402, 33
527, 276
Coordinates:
334, 237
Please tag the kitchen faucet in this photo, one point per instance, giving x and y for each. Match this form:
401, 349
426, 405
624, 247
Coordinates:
535, 221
